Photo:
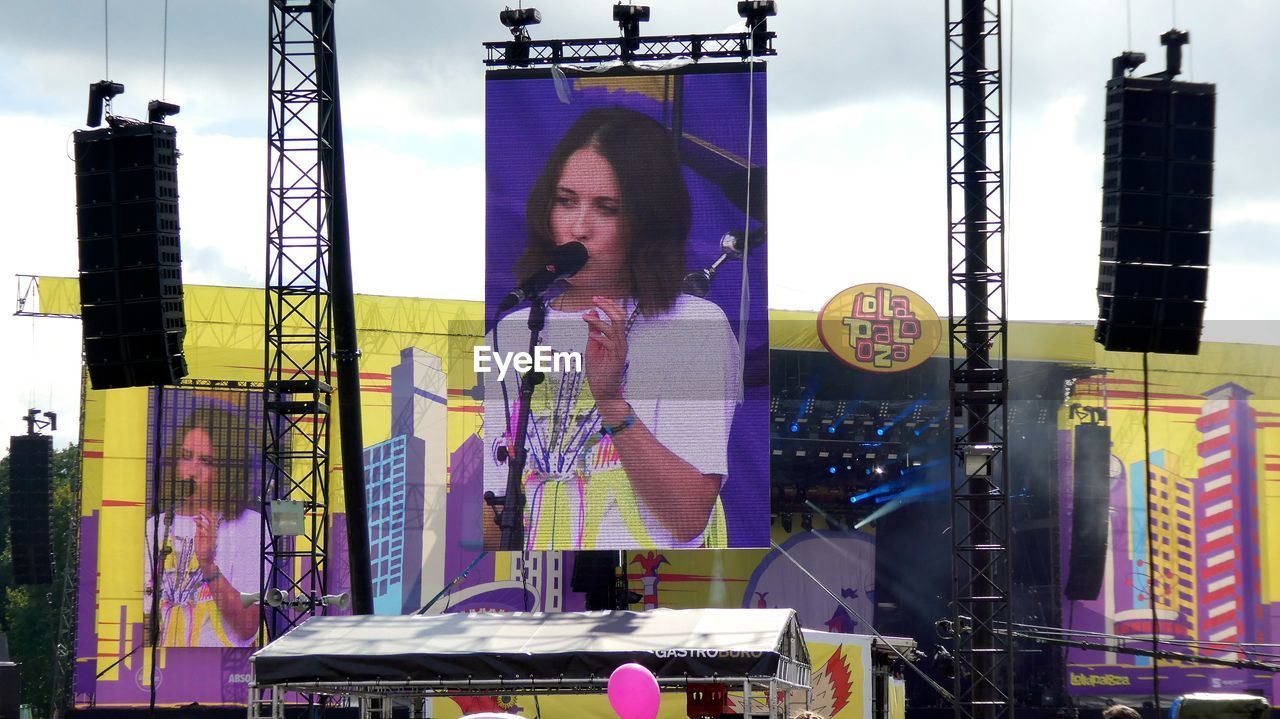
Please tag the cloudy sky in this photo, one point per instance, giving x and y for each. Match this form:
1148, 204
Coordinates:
856, 142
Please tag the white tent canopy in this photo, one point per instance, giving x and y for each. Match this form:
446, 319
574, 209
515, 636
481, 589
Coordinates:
420, 656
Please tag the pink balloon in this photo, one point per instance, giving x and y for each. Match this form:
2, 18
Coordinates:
633, 692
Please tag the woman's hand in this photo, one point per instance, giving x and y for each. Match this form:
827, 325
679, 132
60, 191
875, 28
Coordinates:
606, 350
206, 539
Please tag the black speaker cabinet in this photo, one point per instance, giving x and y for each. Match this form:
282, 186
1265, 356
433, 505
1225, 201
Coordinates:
130, 256
1090, 512
1157, 196
30, 466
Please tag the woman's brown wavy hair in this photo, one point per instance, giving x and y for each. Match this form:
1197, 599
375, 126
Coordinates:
654, 201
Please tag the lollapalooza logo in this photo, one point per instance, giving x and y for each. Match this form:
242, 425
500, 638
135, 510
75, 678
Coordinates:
880, 328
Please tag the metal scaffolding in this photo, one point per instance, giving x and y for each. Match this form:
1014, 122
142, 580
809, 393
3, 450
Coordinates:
979, 384
299, 323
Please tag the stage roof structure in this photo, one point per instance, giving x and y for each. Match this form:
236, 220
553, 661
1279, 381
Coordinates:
571, 652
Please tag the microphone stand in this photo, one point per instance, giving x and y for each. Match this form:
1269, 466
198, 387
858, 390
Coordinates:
698, 282
511, 518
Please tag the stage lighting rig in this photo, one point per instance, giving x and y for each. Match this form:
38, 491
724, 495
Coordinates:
756, 13
518, 21
629, 18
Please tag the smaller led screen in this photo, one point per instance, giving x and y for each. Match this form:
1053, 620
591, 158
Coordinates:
204, 518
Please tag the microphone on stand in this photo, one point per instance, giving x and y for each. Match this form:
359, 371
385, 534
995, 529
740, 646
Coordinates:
698, 283
565, 261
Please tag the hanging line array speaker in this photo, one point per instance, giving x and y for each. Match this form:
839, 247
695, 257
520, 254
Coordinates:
1157, 192
130, 258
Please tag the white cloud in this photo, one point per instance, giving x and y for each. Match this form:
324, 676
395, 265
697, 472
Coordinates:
853, 199
416, 230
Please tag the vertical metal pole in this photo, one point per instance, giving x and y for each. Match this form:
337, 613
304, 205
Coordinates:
157, 552
342, 302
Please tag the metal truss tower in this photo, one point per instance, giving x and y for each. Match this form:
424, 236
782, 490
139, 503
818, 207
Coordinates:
297, 386
979, 384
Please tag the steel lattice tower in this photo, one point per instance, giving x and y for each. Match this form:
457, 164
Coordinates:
979, 384
299, 322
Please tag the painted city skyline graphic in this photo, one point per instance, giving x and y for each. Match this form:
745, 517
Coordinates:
406, 484
1214, 493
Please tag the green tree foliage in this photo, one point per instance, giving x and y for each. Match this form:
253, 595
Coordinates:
29, 615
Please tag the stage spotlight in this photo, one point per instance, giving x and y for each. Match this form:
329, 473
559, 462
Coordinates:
795, 427
755, 11
806, 522
629, 18
785, 518
519, 21
832, 469
760, 8
522, 17
274, 598
248, 600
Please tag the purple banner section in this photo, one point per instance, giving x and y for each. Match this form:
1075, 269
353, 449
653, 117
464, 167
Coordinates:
86, 609
1192, 541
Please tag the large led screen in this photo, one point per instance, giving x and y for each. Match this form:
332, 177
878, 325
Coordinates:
649, 426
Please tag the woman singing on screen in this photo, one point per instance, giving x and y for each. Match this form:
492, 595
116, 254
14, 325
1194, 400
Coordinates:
632, 450
209, 537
